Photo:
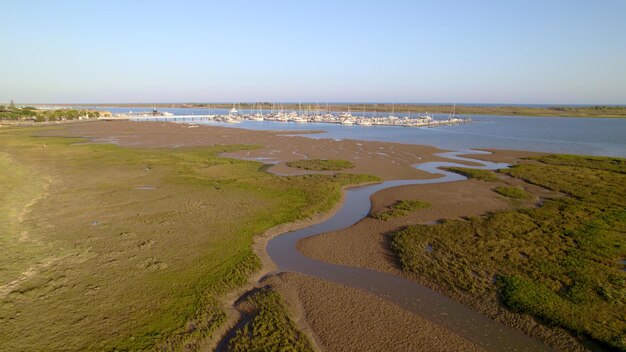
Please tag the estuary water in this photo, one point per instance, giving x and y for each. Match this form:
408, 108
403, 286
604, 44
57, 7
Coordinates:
584, 136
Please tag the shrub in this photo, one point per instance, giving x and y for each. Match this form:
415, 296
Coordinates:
483, 175
321, 164
401, 208
513, 192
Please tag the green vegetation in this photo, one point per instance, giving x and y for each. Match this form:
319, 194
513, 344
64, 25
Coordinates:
591, 162
269, 327
513, 192
559, 262
19, 186
32, 114
321, 164
401, 208
484, 175
91, 260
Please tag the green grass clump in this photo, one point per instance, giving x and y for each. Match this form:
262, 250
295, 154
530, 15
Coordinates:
139, 268
269, 327
321, 164
559, 262
521, 294
513, 192
484, 175
591, 162
401, 208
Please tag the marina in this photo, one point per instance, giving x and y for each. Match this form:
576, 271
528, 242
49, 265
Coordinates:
234, 116
584, 136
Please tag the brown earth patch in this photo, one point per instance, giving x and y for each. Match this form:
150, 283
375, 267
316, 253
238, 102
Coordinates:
347, 319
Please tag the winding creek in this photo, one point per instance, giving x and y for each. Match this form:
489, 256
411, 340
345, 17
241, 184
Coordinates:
483, 331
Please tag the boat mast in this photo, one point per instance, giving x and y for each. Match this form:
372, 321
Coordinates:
453, 112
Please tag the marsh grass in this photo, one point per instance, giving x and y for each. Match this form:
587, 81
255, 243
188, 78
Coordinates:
559, 262
483, 175
513, 192
321, 164
107, 266
401, 208
19, 186
269, 327
590, 162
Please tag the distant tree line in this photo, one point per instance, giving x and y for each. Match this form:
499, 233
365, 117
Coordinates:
597, 108
29, 113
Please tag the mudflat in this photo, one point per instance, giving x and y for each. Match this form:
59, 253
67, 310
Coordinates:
385, 160
335, 317
347, 319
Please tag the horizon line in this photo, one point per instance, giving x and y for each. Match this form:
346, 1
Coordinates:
327, 102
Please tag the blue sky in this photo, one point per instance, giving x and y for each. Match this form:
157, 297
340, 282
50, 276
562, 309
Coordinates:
548, 51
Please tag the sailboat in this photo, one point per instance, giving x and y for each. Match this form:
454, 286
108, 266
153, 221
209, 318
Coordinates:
393, 110
452, 116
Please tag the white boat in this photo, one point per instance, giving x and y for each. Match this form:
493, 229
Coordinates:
425, 117
346, 115
299, 120
347, 122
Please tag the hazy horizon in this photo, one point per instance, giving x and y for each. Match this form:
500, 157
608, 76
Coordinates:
312, 102
487, 52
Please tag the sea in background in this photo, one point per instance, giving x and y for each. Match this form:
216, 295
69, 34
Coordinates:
584, 136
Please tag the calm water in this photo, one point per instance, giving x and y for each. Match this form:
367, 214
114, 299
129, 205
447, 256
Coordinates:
586, 136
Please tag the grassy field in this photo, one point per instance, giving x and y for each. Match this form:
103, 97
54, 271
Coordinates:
269, 327
321, 164
401, 208
108, 248
513, 192
559, 263
483, 175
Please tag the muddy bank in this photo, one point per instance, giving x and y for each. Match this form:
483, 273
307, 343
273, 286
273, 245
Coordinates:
348, 319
